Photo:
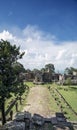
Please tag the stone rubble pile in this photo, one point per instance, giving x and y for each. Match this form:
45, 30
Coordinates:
24, 121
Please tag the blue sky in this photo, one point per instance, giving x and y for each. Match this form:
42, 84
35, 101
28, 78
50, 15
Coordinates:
56, 16
44, 23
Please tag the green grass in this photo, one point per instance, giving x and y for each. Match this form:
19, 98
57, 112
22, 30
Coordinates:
68, 92
70, 95
54, 106
30, 84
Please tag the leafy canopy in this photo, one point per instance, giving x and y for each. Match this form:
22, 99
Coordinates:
9, 54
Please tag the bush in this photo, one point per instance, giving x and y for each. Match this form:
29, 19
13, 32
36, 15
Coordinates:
68, 81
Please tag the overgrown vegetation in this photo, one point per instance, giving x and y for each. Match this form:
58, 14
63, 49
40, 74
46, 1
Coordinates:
10, 82
20, 105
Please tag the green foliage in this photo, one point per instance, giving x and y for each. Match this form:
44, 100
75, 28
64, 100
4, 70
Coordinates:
19, 72
9, 54
18, 68
29, 84
68, 81
69, 71
50, 67
43, 70
35, 71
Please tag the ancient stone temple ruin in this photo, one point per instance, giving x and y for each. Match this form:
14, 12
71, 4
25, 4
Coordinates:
38, 79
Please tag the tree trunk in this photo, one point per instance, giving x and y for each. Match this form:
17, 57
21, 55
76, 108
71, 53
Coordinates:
3, 112
20, 100
16, 106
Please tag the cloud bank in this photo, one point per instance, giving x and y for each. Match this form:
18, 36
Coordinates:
42, 48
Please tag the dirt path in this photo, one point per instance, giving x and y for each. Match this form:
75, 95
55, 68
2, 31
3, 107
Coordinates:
38, 101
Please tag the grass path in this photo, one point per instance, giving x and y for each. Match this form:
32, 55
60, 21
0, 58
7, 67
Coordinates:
39, 102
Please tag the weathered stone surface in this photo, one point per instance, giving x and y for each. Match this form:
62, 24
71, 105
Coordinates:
20, 116
47, 120
54, 120
27, 115
38, 120
61, 128
60, 117
24, 121
15, 126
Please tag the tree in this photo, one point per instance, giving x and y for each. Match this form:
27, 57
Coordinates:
68, 81
50, 68
18, 68
68, 71
28, 71
35, 71
9, 54
73, 69
43, 70
19, 71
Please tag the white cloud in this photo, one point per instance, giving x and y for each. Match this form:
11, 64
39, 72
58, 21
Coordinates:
41, 48
74, 55
60, 54
72, 61
29, 39
6, 35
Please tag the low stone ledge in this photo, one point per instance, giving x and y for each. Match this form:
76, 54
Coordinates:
38, 120
13, 125
19, 116
23, 116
